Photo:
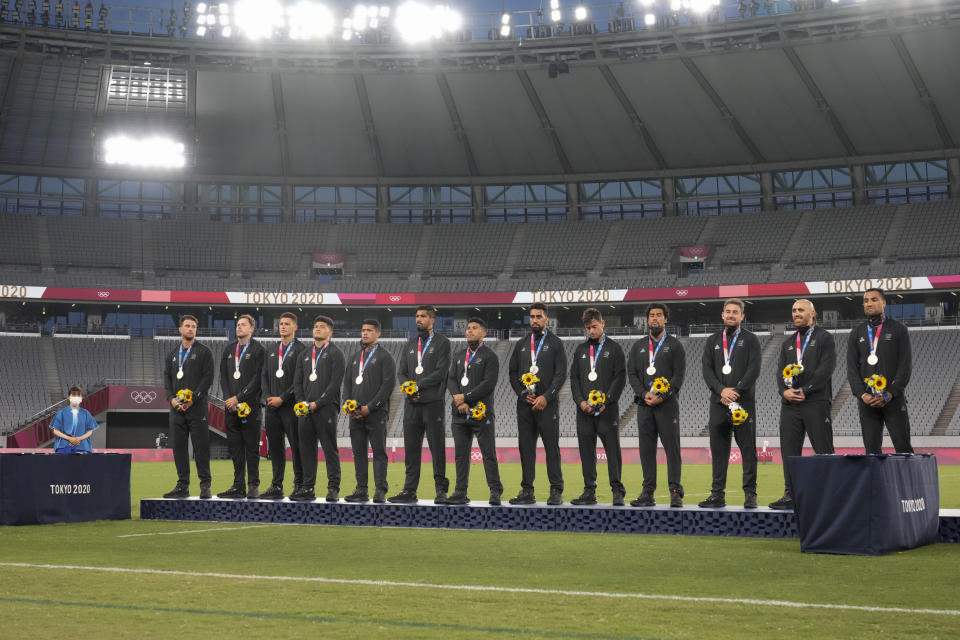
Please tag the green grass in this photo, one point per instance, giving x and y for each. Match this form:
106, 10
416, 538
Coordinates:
48, 602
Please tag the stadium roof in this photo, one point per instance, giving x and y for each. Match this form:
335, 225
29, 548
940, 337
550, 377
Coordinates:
876, 81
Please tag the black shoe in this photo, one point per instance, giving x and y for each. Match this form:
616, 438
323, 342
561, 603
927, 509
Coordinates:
233, 493
587, 497
333, 495
303, 494
495, 497
275, 493
750, 501
556, 496
618, 499
458, 497
205, 492
645, 499
253, 492
380, 496
179, 491
359, 495
676, 498
404, 497
783, 504
441, 497
297, 487
715, 501
524, 497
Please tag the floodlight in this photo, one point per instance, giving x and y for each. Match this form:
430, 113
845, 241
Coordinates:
201, 7
347, 34
211, 19
309, 20
554, 4
201, 19
258, 18
505, 31
201, 31
580, 13
384, 12
505, 18
555, 15
649, 19
224, 20
224, 7
144, 152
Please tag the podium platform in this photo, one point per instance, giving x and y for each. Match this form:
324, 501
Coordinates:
690, 520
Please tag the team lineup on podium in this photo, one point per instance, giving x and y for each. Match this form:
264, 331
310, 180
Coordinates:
298, 390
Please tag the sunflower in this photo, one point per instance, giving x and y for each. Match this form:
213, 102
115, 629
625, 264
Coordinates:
243, 410
185, 395
301, 409
350, 406
597, 398
479, 411
792, 370
409, 387
876, 382
529, 379
661, 385
739, 416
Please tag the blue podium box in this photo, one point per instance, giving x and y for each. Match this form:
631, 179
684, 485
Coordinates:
865, 504
39, 488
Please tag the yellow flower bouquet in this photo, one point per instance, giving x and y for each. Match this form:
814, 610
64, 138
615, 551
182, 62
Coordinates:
243, 410
479, 411
301, 409
350, 405
661, 385
596, 398
876, 383
738, 415
185, 395
529, 380
409, 388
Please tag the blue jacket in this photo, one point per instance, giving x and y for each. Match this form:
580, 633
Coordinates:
63, 422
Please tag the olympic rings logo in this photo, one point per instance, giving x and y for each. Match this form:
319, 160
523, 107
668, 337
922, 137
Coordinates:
143, 397
476, 456
394, 298
103, 294
682, 292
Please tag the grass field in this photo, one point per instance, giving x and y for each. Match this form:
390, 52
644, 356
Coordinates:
166, 579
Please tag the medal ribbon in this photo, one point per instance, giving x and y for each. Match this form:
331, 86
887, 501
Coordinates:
535, 355
238, 355
651, 352
874, 339
316, 356
370, 355
420, 351
183, 356
468, 358
282, 355
594, 358
799, 350
729, 354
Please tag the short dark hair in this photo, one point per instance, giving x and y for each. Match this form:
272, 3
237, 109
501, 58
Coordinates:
879, 291
291, 316
737, 302
373, 322
478, 320
248, 318
590, 314
431, 310
541, 306
75, 390
327, 320
187, 316
658, 305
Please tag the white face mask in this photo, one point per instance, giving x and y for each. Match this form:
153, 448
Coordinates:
75, 401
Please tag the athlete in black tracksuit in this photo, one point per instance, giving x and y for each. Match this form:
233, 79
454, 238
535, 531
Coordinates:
243, 434
191, 423
482, 368
744, 369
893, 363
658, 419
551, 363
373, 392
323, 396
281, 422
811, 415
611, 379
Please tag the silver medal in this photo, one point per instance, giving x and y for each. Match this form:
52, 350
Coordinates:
651, 370
534, 369
727, 369
592, 376
313, 377
359, 380
464, 381
418, 370
872, 359
236, 375
180, 374
279, 373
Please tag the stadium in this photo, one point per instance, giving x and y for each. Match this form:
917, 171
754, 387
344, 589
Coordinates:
362, 161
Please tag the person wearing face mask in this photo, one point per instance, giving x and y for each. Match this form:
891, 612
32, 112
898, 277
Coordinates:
658, 414
806, 400
73, 426
881, 346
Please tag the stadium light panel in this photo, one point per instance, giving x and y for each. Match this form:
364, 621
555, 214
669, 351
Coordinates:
555, 15
580, 13
258, 19
384, 12
505, 18
201, 7
211, 20
224, 8
416, 22
309, 20
649, 19
505, 31
144, 152
347, 35
554, 4
201, 31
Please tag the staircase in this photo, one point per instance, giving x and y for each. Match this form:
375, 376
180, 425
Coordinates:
48, 360
845, 396
613, 233
516, 248
144, 240
707, 232
142, 365
793, 245
420, 263
949, 408
43, 244
894, 233
236, 250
